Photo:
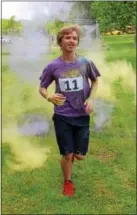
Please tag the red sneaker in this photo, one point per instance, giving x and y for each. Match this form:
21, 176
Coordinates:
68, 188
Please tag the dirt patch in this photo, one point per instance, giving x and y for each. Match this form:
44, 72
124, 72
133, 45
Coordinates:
102, 190
129, 183
106, 156
126, 181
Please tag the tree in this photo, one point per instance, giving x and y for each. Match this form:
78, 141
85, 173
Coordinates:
11, 25
53, 27
80, 10
110, 14
114, 15
4, 26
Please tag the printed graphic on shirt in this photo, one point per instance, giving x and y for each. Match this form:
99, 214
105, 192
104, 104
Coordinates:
71, 73
71, 84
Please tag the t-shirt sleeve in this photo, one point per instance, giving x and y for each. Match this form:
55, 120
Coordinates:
93, 72
46, 78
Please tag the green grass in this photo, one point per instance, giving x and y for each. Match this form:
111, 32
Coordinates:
105, 181
121, 48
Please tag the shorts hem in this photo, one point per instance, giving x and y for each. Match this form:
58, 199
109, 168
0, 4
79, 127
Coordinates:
80, 153
66, 153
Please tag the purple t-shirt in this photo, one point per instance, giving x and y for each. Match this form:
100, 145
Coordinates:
71, 80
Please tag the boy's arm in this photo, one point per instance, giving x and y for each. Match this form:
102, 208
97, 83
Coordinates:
94, 86
89, 102
56, 98
43, 92
45, 80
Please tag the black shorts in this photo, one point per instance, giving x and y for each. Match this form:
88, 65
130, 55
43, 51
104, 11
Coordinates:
72, 134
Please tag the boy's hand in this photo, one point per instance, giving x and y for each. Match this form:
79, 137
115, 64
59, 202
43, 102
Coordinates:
89, 106
57, 99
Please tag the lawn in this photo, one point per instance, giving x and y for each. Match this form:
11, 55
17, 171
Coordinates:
31, 177
121, 48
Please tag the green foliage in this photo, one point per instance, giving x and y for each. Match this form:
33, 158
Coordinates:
11, 25
80, 10
110, 14
114, 15
53, 27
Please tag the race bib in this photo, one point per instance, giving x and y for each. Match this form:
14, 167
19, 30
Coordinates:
71, 84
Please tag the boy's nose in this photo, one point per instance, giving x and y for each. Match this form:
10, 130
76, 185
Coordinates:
71, 39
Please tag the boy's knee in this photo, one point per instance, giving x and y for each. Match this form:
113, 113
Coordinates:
68, 157
79, 157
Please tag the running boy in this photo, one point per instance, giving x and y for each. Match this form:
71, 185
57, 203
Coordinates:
76, 80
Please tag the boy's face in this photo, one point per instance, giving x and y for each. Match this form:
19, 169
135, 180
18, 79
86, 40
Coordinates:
69, 42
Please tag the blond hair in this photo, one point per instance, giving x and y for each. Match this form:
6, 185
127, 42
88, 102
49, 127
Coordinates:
67, 30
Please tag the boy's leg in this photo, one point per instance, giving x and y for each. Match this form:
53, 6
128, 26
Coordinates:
64, 136
79, 157
81, 142
66, 165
